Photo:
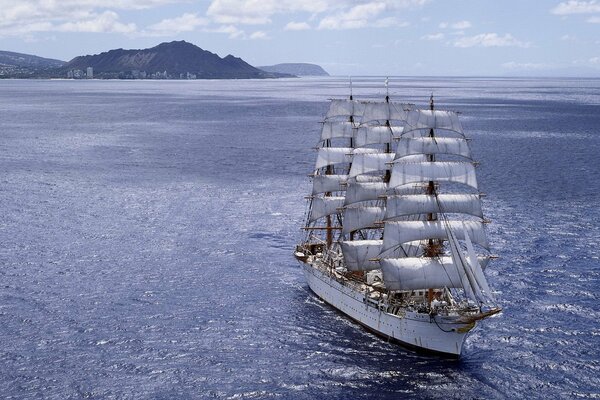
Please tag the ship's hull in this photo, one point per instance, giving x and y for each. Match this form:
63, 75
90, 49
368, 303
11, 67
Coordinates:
418, 331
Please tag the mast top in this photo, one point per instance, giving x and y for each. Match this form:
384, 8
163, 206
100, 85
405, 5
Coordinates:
431, 102
351, 97
387, 90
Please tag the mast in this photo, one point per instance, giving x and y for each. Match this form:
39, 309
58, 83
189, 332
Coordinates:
438, 139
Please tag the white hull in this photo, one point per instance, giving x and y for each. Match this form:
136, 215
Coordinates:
420, 331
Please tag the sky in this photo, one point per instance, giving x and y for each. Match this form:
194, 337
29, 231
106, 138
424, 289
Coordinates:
346, 37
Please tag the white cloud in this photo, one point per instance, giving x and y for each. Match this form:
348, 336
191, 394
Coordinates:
433, 36
257, 12
567, 37
455, 25
461, 25
576, 7
594, 60
296, 26
259, 35
512, 65
24, 17
232, 31
172, 26
108, 21
594, 20
490, 40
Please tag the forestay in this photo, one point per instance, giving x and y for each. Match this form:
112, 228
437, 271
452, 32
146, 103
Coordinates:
398, 232
359, 253
361, 217
447, 171
433, 145
323, 206
403, 205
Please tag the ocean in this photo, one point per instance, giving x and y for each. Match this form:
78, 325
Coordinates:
147, 231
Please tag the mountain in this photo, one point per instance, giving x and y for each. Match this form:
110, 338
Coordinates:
178, 59
25, 65
299, 69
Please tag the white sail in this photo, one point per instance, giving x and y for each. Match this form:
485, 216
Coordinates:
323, 206
361, 217
433, 145
328, 183
366, 135
410, 204
413, 273
383, 111
364, 191
359, 253
398, 232
446, 171
428, 119
476, 268
364, 163
332, 130
333, 155
345, 108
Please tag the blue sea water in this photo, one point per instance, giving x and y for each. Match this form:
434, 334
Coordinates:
147, 228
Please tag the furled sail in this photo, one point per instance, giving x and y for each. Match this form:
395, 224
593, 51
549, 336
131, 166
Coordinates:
433, 145
398, 232
413, 273
345, 108
446, 171
361, 217
333, 155
323, 206
332, 130
432, 119
328, 183
364, 191
359, 253
364, 163
410, 204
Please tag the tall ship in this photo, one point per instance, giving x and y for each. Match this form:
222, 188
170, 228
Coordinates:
395, 234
